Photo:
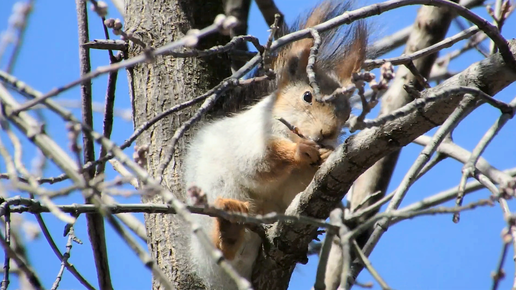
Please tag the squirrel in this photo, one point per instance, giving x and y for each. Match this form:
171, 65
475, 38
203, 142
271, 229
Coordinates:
252, 163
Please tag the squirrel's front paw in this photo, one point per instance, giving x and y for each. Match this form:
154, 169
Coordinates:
307, 152
324, 153
232, 205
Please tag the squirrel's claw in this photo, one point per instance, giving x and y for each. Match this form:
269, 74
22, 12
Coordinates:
324, 153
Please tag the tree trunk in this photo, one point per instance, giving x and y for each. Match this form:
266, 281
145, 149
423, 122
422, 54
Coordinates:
159, 85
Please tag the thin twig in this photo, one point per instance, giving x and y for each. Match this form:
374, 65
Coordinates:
370, 64
60, 256
465, 108
292, 128
368, 198
95, 222
19, 165
50, 148
7, 260
125, 64
469, 167
375, 207
445, 196
219, 89
228, 47
26, 9
474, 41
508, 235
108, 44
451, 122
108, 118
52, 208
110, 94
421, 102
346, 18
34, 206
478, 46
64, 260
129, 220
63, 161
405, 213
31, 275
499, 269
141, 253
369, 266
419, 77
399, 38
314, 50
266, 52
325, 253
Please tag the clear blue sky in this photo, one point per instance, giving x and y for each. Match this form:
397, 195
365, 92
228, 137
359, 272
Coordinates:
424, 253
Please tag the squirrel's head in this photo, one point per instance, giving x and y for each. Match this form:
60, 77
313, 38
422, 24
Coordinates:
321, 116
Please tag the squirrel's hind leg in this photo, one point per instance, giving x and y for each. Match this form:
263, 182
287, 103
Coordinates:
228, 236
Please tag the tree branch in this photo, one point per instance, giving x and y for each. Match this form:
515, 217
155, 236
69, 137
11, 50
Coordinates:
357, 154
95, 222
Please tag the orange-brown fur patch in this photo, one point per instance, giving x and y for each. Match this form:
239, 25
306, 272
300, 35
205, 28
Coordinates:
281, 160
228, 236
315, 18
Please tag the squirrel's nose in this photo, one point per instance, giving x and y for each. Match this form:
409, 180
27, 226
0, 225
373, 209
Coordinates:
322, 135
317, 138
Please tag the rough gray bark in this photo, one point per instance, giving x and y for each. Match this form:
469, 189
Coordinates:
159, 85
239, 9
269, 10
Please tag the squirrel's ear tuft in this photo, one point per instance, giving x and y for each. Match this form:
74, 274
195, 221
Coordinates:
354, 54
294, 68
342, 50
295, 56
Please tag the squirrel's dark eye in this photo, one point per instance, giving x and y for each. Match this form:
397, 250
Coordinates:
307, 97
